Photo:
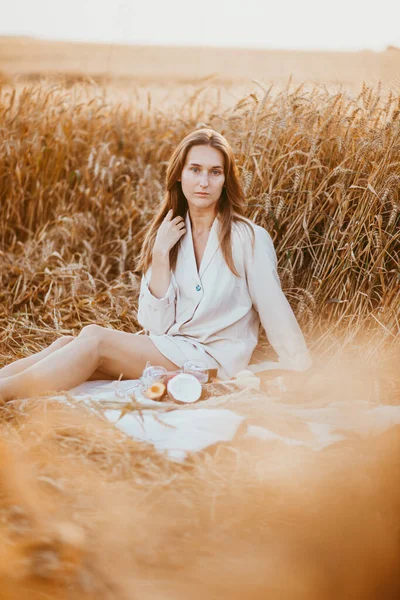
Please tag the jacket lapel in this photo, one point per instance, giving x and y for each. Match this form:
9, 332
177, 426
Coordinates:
211, 247
209, 251
188, 251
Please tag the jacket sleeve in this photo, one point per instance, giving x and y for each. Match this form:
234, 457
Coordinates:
156, 315
276, 315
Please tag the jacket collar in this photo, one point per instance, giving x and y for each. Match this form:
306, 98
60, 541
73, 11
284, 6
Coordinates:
210, 249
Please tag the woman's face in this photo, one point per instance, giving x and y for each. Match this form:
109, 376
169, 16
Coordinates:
203, 177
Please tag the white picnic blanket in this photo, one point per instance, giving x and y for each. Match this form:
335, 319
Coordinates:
178, 432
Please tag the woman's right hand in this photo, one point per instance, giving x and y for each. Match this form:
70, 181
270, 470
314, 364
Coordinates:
169, 232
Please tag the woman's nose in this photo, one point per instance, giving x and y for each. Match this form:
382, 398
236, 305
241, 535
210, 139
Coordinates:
204, 180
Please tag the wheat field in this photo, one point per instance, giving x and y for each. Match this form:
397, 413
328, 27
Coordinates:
82, 176
87, 513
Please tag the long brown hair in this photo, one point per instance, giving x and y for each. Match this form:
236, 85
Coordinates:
231, 204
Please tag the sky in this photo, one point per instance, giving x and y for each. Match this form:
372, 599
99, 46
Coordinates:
281, 24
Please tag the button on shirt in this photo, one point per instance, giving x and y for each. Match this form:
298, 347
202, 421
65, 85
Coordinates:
220, 312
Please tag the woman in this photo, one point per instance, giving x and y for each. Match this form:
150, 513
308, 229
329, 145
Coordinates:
209, 277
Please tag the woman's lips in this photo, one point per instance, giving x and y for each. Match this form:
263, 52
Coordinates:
202, 194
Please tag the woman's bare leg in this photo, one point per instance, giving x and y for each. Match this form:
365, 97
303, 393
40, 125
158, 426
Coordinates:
23, 363
114, 353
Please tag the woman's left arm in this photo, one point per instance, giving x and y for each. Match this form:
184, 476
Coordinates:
276, 314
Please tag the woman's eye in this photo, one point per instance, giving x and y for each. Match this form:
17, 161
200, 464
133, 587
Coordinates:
196, 170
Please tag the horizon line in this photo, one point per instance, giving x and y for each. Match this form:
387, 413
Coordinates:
164, 44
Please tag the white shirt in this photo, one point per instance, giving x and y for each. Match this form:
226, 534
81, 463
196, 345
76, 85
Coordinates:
221, 313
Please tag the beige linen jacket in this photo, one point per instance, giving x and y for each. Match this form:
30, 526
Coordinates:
220, 313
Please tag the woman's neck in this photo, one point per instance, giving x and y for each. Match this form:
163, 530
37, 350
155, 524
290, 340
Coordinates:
201, 224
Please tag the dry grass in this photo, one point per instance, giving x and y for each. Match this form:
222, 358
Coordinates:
86, 512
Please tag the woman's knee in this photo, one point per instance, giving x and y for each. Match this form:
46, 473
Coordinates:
92, 336
91, 331
62, 341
